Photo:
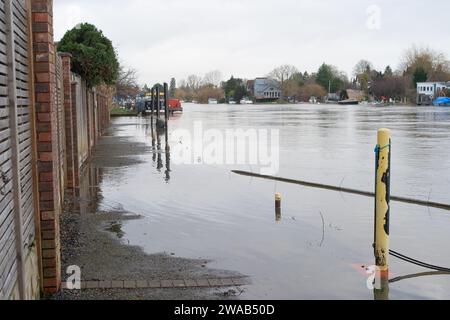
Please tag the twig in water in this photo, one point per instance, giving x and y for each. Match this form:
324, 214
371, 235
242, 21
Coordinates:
323, 229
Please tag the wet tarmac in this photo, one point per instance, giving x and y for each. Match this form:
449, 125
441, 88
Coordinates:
322, 243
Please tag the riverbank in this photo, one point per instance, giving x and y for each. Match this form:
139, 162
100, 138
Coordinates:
92, 239
122, 112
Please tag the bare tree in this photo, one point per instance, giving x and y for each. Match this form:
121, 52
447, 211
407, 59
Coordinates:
362, 67
127, 82
283, 73
213, 78
390, 87
193, 82
434, 63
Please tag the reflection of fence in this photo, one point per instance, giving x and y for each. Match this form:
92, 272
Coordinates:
49, 122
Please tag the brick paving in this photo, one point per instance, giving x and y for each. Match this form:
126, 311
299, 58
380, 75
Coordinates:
162, 284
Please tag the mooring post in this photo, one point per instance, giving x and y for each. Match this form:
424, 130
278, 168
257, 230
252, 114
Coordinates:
166, 101
278, 207
158, 101
166, 114
382, 201
152, 103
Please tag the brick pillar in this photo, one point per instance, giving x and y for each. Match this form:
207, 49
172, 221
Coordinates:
67, 91
76, 162
47, 142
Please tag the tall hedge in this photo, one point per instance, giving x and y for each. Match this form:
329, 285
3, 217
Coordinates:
94, 57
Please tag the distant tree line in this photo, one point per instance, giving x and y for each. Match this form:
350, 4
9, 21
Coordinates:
418, 64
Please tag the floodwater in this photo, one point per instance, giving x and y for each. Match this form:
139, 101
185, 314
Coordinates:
318, 248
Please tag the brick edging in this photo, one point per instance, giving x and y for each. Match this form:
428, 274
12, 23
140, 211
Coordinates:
162, 284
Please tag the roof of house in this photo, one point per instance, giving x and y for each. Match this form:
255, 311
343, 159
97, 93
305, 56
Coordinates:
263, 84
355, 94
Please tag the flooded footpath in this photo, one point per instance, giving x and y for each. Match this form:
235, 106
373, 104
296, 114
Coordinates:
141, 216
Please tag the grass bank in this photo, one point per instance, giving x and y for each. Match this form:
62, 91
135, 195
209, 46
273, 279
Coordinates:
121, 112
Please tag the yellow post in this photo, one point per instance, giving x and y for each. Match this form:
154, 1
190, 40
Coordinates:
278, 207
382, 198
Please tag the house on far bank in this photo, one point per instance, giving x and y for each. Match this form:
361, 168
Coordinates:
355, 94
251, 87
266, 89
428, 91
333, 97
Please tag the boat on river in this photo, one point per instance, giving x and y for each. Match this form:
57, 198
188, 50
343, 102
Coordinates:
246, 101
442, 101
348, 102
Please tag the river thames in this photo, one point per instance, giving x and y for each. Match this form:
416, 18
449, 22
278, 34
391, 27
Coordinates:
320, 247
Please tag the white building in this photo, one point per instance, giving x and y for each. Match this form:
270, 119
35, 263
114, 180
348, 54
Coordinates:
428, 91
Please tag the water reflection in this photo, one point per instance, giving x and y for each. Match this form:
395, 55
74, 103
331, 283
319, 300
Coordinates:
157, 149
382, 293
277, 214
419, 275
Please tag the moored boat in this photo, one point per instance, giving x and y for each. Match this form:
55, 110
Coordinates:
246, 101
348, 102
442, 101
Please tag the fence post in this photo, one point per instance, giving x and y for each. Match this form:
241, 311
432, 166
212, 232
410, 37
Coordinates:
382, 201
47, 143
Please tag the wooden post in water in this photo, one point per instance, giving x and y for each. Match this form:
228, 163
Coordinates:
158, 101
152, 103
382, 201
166, 101
278, 207
166, 114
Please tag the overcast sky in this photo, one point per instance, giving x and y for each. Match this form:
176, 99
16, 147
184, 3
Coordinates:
248, 38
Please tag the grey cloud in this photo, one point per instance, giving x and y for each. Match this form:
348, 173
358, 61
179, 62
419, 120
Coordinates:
174, 38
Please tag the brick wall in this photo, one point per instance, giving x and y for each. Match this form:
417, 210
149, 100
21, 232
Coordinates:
47, 142
47, 131
62, 117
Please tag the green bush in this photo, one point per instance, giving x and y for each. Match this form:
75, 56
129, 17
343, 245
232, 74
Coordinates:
94, 57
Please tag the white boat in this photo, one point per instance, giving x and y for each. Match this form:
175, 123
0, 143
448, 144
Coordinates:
212, 101
246, 101
313, 100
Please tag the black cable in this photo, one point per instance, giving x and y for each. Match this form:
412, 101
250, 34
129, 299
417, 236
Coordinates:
417, 262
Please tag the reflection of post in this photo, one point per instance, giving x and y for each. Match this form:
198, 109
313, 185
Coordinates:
382, 201
167, 166
160, 162
383, 292
153, 142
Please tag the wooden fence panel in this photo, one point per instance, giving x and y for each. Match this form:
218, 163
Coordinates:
21, 50
59, 103
81, 108
17, 229
8, 263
